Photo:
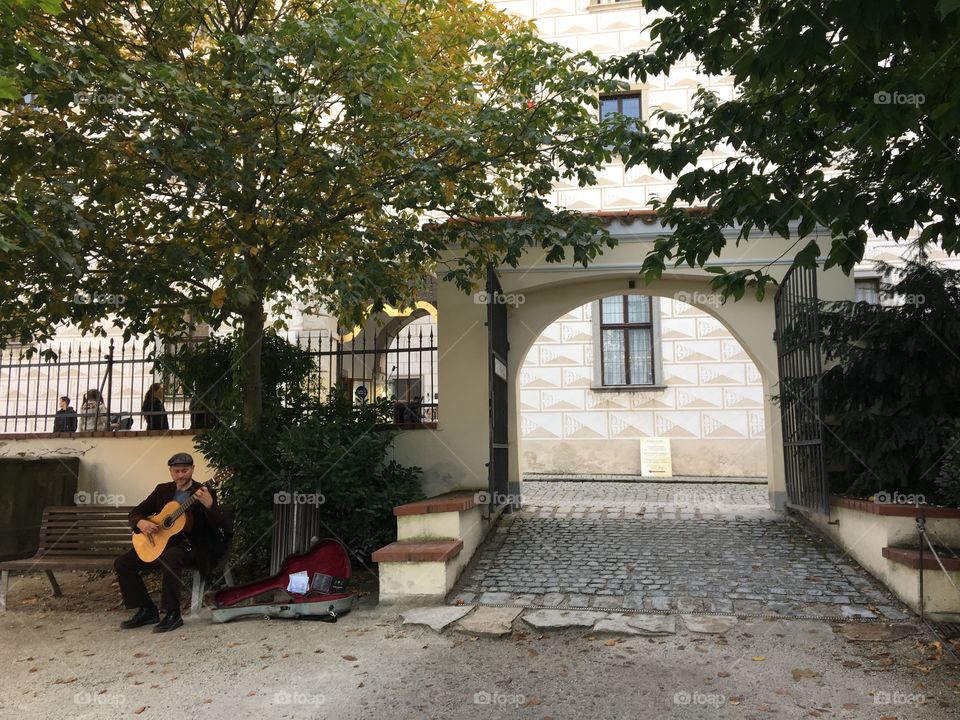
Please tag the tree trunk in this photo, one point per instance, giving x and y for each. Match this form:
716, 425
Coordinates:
250, 376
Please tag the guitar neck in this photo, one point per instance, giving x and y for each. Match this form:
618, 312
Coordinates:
184, 506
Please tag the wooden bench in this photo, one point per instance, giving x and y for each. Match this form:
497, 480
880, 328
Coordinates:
81, 538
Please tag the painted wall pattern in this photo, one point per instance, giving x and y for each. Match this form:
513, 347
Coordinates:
712, 394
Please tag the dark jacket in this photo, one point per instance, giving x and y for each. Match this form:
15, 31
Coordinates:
65, 421
205, 522
155, 414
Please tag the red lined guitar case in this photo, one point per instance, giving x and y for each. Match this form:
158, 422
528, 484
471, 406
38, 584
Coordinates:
325, 595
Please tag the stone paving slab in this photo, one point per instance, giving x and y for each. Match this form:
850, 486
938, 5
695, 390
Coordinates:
725, 558
648, 625
561, 619
489, 621
709, 624
435, 617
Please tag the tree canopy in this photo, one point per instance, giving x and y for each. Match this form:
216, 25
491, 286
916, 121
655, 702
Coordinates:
217, 160
844, 116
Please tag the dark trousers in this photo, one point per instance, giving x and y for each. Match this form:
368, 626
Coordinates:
172, 562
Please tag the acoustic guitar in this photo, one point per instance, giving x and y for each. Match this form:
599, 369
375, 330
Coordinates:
172, 519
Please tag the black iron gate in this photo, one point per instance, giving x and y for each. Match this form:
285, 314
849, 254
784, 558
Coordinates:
498, 467
799, 363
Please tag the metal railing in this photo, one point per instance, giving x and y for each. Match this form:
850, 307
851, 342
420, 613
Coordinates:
402, 367
114, 379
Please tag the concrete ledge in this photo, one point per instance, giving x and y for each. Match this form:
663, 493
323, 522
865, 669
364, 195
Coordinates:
432, 551
911, 558
99, 434
873, 538
451, 502
894, 510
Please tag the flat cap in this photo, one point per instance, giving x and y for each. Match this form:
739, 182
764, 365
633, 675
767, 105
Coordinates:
181, 459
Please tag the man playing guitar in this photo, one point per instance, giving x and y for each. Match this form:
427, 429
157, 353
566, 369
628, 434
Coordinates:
190, 549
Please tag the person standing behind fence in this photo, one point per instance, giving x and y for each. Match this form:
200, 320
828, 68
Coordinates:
154, 413
66, 419
93, 412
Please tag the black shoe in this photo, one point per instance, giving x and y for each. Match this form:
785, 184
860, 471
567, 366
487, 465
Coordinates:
143, 616
171, 621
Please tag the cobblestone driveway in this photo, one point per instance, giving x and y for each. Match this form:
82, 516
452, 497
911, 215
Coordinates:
681, 547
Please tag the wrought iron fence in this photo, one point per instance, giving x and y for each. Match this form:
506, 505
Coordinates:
107, 382
402, 367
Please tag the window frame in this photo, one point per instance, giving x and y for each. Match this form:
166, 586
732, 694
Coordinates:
655, 346
637, 93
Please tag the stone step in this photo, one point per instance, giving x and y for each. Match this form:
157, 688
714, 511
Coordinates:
429, 551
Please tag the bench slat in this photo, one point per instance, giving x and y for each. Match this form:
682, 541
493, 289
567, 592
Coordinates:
86, 532
72, 563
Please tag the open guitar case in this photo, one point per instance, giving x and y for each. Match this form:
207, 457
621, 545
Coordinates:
326, 566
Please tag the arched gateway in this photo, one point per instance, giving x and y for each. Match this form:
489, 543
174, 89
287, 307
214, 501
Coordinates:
456, 454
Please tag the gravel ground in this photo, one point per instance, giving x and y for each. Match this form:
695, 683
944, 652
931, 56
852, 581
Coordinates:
66, 658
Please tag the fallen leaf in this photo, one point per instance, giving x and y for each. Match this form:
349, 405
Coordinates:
723, 674
349, 658
850, 706
804, 673
531, 701
360, 685
33, 669
759, 658
251, 693
850, 664
782, 691
610, 643
66, 680
532, 653
139, 709
141, 654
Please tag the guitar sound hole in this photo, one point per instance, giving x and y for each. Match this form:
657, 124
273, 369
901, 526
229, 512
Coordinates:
167, 522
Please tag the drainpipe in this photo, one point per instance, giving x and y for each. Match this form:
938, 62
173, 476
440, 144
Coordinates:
921, 528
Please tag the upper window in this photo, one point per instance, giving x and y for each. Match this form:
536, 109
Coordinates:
868, 290
627, 340
627, 104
